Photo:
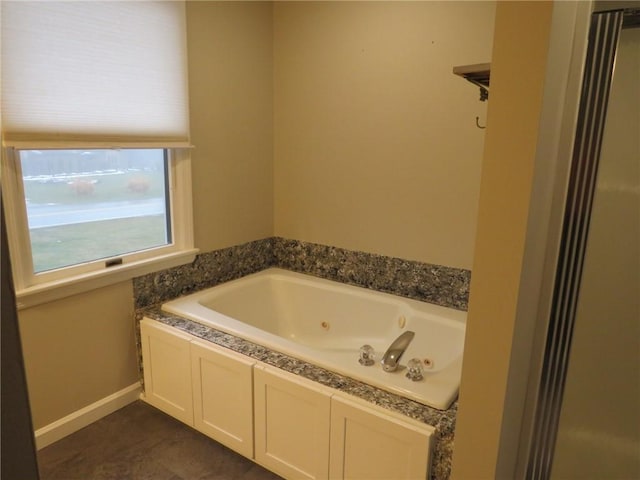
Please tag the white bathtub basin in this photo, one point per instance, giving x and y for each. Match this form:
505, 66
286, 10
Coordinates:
326, 323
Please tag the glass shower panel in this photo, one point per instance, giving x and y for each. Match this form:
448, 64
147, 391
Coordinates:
599, 428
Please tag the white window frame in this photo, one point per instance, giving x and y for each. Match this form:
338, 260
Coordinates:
33, 289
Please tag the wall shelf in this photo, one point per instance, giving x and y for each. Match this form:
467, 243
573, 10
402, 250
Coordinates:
479, 74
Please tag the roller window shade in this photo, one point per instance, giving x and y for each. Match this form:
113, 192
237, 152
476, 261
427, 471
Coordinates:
94, 71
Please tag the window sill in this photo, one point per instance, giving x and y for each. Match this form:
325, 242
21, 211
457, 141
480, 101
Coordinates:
48, 292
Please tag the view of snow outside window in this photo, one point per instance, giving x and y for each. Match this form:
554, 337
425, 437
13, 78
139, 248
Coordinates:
86, 205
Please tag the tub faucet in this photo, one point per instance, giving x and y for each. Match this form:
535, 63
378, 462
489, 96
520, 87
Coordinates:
392, 356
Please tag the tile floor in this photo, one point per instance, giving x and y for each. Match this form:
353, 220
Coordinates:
139, 442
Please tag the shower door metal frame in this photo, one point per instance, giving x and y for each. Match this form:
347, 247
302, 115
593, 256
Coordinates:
604, 34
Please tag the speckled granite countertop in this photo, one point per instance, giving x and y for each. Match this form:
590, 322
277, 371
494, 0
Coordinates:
425, 282
443, 421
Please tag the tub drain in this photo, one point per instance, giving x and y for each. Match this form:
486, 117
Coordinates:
325, 325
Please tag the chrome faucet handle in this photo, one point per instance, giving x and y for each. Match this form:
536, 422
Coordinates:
414, 370
367, 355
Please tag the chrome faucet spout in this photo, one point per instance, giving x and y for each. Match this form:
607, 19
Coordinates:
391, 358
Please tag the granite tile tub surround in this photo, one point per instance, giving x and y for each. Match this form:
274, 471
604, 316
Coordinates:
436, 284
207, 270
443, 421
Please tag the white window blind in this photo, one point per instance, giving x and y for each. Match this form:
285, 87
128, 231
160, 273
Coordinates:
94, 72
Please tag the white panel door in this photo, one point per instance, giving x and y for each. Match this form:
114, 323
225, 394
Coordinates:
369, 443
291, 425
223, 396
167, 369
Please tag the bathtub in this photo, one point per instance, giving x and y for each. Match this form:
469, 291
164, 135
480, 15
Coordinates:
325, 323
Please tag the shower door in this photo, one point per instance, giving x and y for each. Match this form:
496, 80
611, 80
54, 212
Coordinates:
599, 428
587, 424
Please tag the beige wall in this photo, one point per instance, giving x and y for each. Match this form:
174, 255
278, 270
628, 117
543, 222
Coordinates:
521, 44
376, 147
78, 350
231, 105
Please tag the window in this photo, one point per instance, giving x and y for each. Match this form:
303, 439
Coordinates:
86, 205
96, 153
83, 218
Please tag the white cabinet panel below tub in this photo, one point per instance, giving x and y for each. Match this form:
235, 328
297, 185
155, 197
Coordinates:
291, 425
167, 370
222, 396
369, 443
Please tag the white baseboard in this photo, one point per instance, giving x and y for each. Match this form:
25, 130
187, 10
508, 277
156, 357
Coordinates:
86, 416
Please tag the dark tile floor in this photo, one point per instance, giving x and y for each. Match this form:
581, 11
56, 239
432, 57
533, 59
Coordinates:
139, 442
